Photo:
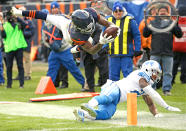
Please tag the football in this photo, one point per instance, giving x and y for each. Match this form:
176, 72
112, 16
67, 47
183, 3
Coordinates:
111, 31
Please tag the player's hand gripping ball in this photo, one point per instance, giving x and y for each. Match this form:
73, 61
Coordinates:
111, 31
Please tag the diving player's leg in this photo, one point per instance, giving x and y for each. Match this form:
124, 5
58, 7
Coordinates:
105, 112
82, 114
109, 96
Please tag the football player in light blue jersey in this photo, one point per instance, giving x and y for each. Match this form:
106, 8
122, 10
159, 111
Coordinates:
139, 81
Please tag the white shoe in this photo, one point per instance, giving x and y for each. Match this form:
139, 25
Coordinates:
89, 109
79, 114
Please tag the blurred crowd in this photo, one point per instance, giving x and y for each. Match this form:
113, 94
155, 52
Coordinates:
135, 44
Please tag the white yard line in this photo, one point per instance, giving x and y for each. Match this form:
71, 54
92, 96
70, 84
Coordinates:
168, 121
77, 129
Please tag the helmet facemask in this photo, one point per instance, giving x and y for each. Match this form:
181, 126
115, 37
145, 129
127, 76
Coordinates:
88, 30
83, 22
156, 76
152, 69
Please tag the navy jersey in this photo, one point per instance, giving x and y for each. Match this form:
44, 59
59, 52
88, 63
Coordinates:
80, 38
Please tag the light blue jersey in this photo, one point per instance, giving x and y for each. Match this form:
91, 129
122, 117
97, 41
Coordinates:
131, 84
114, 92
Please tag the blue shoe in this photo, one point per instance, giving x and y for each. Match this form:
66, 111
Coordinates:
89, 109
79, 114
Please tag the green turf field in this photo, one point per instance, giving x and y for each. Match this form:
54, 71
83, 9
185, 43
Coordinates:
57, 115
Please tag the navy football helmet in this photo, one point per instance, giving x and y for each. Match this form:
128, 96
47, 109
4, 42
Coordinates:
83, 22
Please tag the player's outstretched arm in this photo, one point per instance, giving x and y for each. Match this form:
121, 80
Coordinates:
155, 95
53, 19
29, 13
150, 104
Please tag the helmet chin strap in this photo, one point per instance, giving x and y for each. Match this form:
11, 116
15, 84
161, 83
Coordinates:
156, 80
152, 79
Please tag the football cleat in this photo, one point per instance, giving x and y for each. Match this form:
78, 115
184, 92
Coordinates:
89, 109
79, 114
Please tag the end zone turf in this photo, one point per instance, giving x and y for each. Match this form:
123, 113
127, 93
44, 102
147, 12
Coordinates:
145, 119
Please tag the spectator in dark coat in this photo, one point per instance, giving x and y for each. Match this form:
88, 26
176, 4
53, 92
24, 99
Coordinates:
162, 45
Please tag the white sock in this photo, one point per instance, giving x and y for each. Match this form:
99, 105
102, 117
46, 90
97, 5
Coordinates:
93, 102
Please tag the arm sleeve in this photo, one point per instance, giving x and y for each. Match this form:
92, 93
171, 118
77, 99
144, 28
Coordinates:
136, 35
155, 96
35, 14
53, 19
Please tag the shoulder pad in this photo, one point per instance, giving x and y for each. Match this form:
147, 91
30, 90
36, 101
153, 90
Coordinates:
145, 76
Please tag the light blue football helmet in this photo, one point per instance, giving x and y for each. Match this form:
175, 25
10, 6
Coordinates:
152, 67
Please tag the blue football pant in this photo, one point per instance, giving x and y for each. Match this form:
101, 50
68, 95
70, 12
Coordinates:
108, 100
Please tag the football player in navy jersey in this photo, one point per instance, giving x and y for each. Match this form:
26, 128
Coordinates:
78, 29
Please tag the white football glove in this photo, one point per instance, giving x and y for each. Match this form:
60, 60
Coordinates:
158, 115
74, 49
170, 108
104, 39
16, 12
90, 39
